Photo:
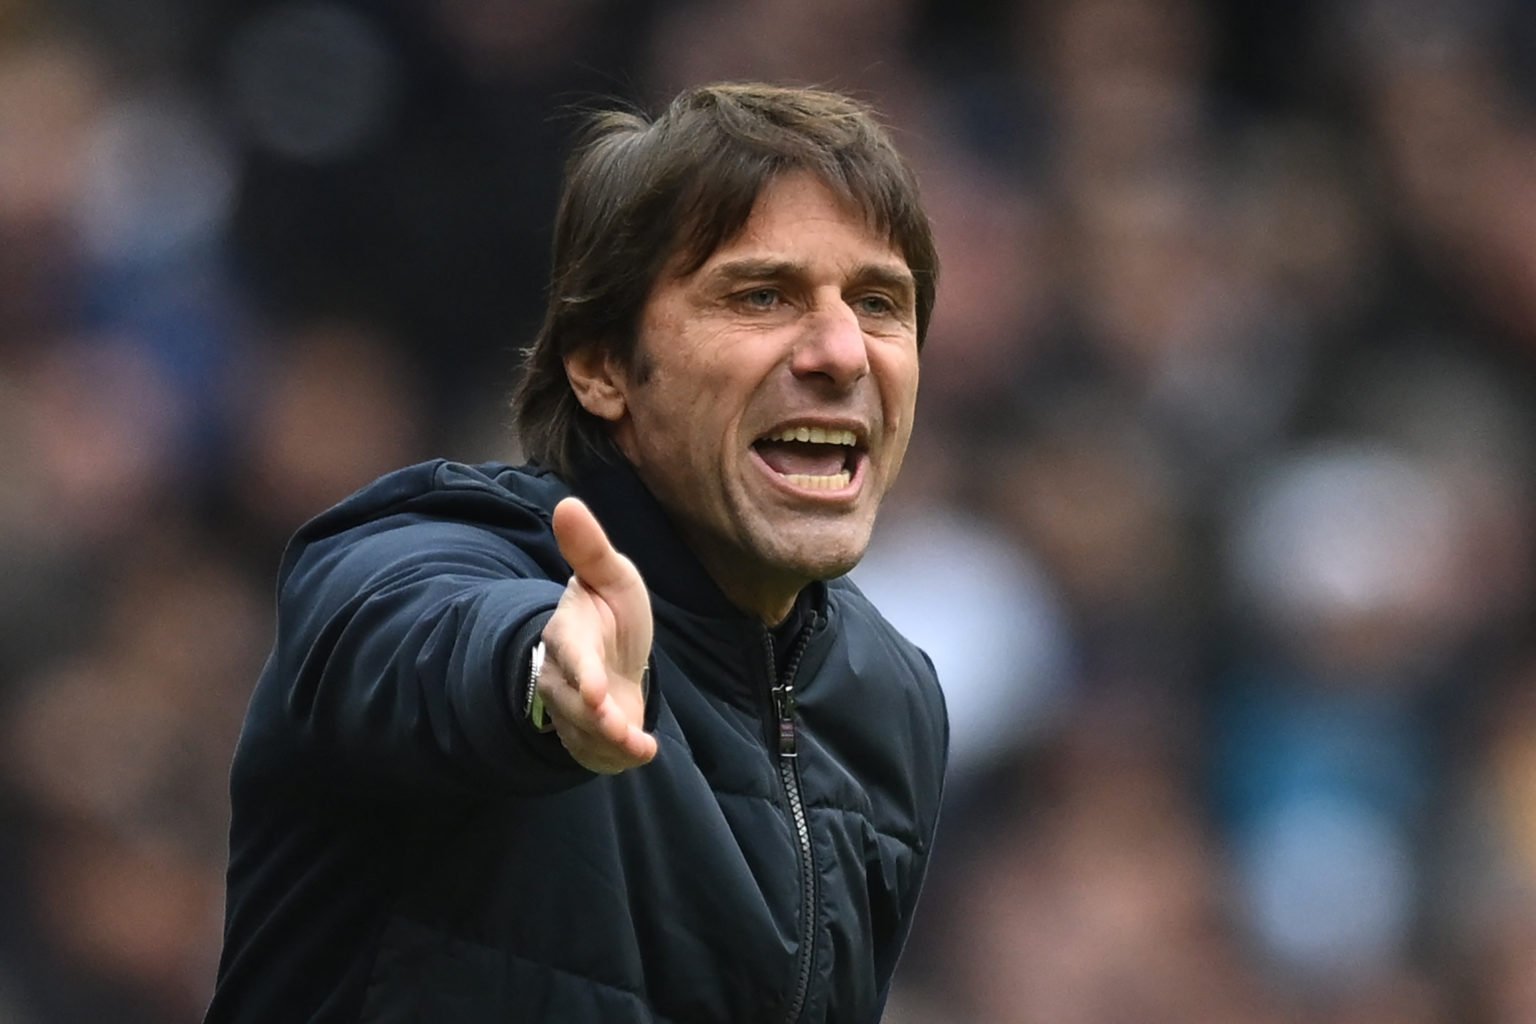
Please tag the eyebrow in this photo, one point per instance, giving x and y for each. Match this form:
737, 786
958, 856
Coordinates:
900, 281
754, 268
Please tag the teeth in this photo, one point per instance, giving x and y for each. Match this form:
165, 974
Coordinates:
835, 482
815, 435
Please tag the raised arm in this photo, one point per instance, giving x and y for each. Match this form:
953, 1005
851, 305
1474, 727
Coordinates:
402, 657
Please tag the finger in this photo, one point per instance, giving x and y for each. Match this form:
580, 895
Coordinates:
608, 761
640, 745
606, 593
615, 748
611, 722
574, 642
585, 545
566, 696
607, 722
600, 754
587, 678
625, 735
587, 711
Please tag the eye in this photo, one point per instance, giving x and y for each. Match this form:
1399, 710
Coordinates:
761, 298
874, 305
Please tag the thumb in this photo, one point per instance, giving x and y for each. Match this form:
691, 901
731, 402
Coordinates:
602, 570
585, 545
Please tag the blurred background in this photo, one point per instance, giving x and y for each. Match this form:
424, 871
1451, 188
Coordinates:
1219, 522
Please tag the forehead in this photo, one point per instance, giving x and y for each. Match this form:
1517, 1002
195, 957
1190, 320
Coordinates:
797, 214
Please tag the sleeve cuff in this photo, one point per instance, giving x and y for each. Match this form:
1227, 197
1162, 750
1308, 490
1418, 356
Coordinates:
543, 744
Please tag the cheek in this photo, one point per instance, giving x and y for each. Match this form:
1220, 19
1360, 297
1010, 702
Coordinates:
899, 381
687, 417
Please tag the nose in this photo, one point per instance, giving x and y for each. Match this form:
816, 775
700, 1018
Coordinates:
832, 347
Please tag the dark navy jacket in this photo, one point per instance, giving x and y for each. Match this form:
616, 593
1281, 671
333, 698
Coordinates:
406, 848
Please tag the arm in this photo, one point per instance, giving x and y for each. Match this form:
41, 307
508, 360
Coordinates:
400, 657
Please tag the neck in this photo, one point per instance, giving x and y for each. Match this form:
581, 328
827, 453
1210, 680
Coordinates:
771, 605
760, 591
766, 595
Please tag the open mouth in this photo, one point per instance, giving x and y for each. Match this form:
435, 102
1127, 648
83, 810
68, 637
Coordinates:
813, 458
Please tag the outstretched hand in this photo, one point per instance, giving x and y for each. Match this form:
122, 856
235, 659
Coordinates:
596, 647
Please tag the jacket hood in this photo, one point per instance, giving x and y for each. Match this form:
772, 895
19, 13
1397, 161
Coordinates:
521, 499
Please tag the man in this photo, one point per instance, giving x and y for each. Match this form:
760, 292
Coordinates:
609, 737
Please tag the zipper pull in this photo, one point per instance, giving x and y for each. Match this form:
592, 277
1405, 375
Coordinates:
784, 700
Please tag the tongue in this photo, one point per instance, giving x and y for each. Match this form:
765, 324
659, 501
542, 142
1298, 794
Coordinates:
792, 457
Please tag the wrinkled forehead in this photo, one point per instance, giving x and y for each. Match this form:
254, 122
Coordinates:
713, 225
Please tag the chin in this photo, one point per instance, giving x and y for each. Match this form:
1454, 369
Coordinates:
832, 570
822, 558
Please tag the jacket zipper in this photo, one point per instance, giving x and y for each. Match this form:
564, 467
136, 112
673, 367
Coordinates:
789, 773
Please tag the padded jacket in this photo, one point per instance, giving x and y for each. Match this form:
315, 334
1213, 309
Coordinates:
405, 847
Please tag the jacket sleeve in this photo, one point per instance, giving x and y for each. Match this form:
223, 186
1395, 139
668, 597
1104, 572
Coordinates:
937, 723
398, 661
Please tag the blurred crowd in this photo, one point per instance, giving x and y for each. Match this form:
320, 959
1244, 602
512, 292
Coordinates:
1219, 522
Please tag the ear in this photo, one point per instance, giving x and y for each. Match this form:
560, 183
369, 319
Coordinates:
599, 382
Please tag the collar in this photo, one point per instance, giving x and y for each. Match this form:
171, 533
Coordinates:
639, 527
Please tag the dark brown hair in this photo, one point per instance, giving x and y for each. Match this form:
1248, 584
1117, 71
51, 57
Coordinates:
642, 194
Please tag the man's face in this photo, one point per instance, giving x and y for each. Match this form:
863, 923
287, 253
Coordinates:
772, 394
